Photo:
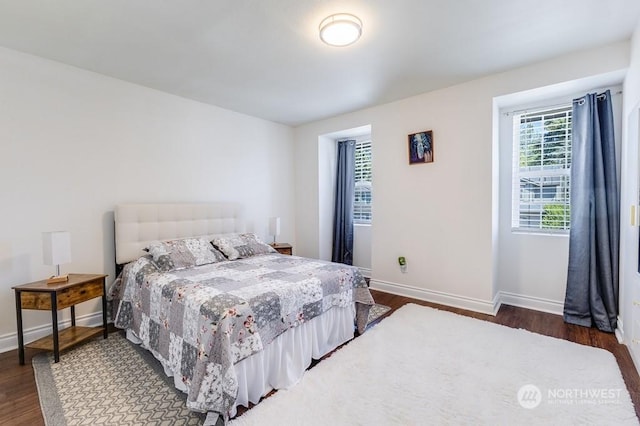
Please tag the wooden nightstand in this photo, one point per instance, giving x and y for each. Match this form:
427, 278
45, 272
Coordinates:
44, 297
283, 248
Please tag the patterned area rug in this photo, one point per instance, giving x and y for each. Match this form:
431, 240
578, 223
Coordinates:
114, 382
109, 382
376, 312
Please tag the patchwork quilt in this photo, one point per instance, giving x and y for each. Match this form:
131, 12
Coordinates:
200, 321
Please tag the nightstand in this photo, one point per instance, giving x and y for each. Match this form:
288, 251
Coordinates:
52, 297
283, 248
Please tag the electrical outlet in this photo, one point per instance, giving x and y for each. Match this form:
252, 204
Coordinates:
402, 261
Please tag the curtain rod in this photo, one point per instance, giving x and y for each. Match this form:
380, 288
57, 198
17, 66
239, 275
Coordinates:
543, 107
599, 96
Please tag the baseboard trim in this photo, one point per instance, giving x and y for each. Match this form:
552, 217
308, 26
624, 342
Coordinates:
620, 331
629, 342
472, 304
9, 341
530, 302
366, 272
448, 299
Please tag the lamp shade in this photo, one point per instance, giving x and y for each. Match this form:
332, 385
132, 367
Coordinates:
274, 226
56, 247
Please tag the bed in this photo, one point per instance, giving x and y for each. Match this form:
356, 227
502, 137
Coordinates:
231, 319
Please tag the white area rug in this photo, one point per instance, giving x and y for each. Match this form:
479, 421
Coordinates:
425, 366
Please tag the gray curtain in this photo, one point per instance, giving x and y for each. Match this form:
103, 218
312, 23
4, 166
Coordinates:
592, 282
343, 210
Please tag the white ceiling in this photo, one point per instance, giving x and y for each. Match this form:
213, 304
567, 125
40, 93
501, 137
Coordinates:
264, 57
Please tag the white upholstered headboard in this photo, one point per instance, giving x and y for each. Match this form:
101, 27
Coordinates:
136, 225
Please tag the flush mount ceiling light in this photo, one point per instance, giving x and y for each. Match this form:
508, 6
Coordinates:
341, 29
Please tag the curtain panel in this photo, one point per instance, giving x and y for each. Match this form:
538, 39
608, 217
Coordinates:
343, 209
592, 279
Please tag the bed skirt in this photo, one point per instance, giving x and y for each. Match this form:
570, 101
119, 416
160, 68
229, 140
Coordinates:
283, 362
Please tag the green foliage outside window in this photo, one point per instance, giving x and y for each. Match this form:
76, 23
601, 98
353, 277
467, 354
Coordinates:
556, 216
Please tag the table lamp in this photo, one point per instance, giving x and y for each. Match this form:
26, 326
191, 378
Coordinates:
274, 228
56, 250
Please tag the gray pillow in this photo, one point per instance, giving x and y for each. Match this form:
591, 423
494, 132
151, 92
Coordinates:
238, 246
184, 253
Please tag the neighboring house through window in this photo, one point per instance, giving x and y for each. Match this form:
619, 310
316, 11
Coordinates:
542, 170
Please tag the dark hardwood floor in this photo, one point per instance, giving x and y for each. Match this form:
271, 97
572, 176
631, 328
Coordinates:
19, 403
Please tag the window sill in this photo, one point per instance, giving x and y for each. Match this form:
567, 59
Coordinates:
541, 233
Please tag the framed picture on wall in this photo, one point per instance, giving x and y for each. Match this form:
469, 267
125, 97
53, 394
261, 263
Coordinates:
421, 147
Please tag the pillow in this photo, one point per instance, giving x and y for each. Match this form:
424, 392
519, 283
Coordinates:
238, 246
132, 272
185, 253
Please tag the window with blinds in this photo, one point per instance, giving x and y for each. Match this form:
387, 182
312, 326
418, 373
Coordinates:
541, 170
363, 176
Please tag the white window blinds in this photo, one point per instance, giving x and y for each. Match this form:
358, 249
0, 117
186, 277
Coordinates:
541, 170
363, 177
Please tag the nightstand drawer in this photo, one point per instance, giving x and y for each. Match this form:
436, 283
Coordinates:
82, 293
67, 297
288, 251
35, 300
283, 248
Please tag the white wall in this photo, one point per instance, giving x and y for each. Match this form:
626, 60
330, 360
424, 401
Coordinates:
438, 215
362, 248
327, 165
629, 318
73, 144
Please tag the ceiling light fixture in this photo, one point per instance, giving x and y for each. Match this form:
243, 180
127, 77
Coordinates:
341, 29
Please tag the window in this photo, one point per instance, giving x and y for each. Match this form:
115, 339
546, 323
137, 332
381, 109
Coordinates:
541, 170
362, 194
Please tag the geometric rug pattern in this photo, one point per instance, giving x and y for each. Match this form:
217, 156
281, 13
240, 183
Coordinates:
115, 382
376, 312
105, 382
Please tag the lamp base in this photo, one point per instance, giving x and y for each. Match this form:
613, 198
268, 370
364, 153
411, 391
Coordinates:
58, 279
